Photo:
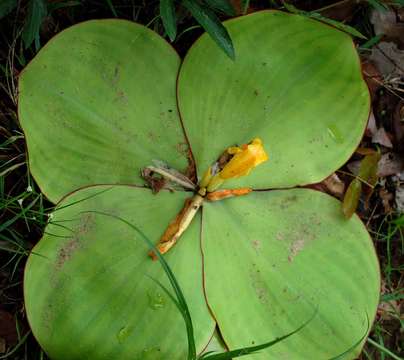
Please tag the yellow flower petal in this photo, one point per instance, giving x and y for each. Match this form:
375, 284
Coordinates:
245, 159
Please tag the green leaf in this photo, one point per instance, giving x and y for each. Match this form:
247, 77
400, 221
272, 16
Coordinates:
167, 13
6, 7
104, 116
351, 198
309, 104
210, 22
179, 301
91, 285
224, 6
345, 28
37, 12
280, 255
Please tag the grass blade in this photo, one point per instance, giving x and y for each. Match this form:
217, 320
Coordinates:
314, 15
223, 6
167, 13
112, 8
37, 11
253, 349
20, 343
383, 349
342, 355
210, 22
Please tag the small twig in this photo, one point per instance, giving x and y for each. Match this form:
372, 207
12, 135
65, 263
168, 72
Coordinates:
331, 6
356, 177
171, 177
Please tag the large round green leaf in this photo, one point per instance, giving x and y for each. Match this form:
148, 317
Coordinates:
97, 104
296, 83
88, 287
273, 258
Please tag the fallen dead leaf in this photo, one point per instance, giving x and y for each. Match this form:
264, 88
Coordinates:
389, 59
335, 185
400, 198
386, 198
398, 125
387, 22
382, 138
372, 77
371, 127
390, 164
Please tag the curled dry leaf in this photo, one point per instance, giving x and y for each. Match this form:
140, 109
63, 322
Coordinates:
385, 22
335, 185
372, 77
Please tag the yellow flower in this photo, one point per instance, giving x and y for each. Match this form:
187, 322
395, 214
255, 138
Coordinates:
245, 158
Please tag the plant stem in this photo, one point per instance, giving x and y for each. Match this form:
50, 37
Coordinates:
177, 226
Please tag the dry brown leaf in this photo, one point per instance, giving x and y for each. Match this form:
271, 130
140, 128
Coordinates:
372, 77
335, 185
385, 22
398, 125
382, 138
390, 164
400, 198
389, 59
371, 128
386, 198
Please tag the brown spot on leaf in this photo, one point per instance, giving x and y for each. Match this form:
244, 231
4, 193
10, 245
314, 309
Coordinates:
295, 248
65, 253
288, 201
256, 244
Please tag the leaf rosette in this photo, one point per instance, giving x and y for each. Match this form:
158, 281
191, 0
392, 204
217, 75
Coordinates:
106, 97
